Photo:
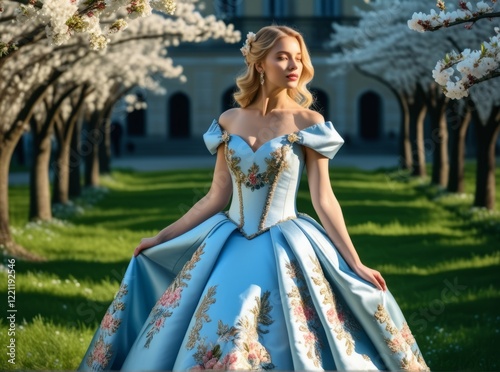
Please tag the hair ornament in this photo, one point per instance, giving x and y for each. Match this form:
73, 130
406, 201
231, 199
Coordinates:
248, 44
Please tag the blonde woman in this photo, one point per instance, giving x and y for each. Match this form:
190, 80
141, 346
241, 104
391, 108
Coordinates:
258, 286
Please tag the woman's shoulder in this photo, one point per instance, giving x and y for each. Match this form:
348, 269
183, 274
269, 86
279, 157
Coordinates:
228, 116
307, 117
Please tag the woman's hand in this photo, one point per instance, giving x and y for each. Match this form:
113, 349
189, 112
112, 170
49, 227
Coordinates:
145, 244
372, 276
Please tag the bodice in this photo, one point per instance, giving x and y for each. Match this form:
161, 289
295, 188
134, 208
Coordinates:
266, 181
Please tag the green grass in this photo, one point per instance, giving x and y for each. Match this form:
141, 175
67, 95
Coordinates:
423, 247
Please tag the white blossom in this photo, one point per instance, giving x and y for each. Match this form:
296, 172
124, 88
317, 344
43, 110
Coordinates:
121, 66
465, 69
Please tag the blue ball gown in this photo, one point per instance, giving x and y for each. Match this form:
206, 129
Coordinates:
259, 286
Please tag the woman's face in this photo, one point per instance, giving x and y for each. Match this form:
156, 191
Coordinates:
283, 64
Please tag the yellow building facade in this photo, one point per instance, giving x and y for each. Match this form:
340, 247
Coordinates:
363, 110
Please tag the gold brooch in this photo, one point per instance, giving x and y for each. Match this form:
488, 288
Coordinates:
293, 137
225, 136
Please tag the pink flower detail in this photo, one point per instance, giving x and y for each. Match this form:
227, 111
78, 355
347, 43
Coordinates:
310, 337
197, 367
331, 315
107, 321
207, 356
396, 344
231, 358
109, 324
159, 322
407, 335
170, 298
304, 313
252, 178
211, 363
100, 355
218, 366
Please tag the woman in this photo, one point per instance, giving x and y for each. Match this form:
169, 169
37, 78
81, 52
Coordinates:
259, 286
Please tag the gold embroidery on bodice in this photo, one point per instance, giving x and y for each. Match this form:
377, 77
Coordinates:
255, 179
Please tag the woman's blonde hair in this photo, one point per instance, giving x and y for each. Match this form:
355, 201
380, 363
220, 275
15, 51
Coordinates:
248, 83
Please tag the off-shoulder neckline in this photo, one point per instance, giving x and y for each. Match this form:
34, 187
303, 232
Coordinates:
222, 130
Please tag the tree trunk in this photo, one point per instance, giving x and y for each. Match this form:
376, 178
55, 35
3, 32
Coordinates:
40, 207
436, 104
61, 167
406, 161
6, 151
8, 142
458, 133
92, 138
8, 246
417, 111
440, 159
75, 160
105, 148
486, 135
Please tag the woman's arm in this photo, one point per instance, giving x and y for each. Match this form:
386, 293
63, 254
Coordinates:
330, 214
213, 202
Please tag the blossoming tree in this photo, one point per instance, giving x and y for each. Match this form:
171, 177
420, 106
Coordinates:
51, 83
458, 71
382, 47
459, 75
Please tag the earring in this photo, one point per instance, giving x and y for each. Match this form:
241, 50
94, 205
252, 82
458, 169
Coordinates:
262, 78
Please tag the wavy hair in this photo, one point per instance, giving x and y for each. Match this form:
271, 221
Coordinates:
248, 82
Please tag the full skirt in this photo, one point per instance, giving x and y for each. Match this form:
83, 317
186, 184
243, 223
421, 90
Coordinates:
284, 300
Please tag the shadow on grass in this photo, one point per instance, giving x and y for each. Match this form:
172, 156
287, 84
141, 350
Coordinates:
68, 311
419, 247
91, 271
149, 208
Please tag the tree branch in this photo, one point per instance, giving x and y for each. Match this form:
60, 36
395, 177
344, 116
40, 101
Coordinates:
460, 21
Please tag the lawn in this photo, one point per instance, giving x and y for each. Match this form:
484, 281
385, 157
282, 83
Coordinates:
441, 267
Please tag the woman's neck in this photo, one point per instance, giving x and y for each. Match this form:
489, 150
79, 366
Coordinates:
266, 103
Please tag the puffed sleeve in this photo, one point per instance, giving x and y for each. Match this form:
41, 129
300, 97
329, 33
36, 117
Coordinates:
213, 137
322, 138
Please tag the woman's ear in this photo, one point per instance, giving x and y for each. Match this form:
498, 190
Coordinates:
258, 67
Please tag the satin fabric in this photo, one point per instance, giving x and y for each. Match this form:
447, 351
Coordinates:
260, 286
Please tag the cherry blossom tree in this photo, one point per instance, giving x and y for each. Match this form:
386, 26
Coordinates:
59, 20
458, 71
49, 85
459, 74
382, 47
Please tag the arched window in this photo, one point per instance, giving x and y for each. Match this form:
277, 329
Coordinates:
321, 102
327, 8
228, 99
179, 121
370, 116
136, 120
275, 8
225, 9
